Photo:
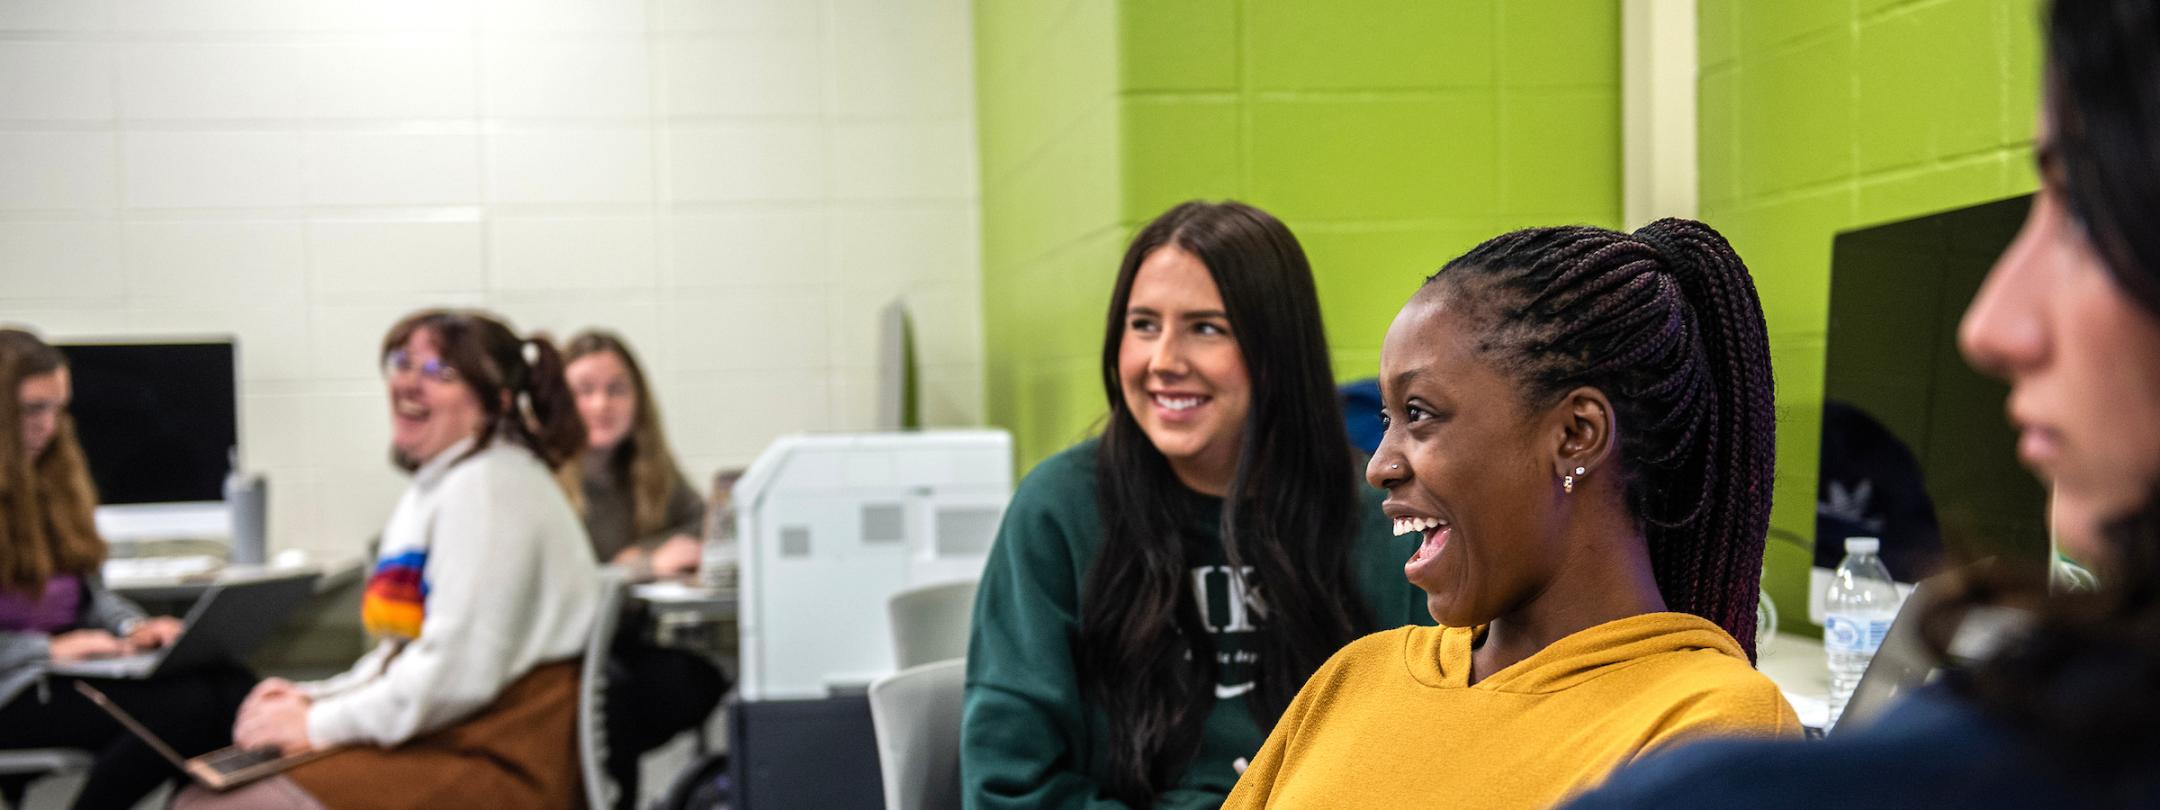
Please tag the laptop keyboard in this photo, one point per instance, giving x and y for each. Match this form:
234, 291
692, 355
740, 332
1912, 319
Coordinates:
235, 759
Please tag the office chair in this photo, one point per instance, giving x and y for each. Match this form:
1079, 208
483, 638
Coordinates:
19, 767
930, 623
916, 714
592, 739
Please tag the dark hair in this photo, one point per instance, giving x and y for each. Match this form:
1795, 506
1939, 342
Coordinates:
1290, 512
526, 401
47, 504
2079, 683
1665, 322
642, 459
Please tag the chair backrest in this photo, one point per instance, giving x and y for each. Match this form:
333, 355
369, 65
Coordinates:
14, 761
916, 713
930, 623
21, 766
592, 692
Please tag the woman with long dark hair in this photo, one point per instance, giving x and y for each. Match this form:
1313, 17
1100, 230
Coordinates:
1156, 595
54, 608
481, 599
1579, 431
2065, 714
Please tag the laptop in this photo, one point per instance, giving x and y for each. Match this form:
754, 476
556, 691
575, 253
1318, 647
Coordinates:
1905, 662
222, 769
224, 626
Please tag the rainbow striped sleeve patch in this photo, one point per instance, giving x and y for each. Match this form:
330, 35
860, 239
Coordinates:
396, 598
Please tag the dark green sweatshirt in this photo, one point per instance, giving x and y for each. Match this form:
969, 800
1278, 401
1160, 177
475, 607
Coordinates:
1028, 740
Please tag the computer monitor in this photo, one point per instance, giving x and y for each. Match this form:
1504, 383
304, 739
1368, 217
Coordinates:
1915, 448
159, 426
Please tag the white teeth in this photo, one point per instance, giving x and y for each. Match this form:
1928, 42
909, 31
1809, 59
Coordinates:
1417, 524
412, 409
1177, 403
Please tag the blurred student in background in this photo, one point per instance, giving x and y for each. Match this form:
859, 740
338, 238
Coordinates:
1579, 432
1156, 595
482, 597
641, 514
2065, 714
55, 609
639, 509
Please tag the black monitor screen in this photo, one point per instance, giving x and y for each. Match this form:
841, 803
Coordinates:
1915, 447
156, 421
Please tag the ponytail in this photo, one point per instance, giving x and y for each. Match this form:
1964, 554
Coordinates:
1665, 321
551, 418
1737, 471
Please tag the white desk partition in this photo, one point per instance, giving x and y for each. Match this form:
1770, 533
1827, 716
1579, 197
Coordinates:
832, 525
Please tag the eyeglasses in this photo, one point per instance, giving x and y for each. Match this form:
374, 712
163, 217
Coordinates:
398, 362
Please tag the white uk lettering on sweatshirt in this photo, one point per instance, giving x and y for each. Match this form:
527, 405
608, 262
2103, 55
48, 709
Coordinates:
1229, 604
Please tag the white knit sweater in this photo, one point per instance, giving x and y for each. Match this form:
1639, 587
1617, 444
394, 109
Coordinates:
511, 584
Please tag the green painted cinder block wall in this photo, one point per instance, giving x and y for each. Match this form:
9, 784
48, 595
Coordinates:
1826, 115
1391, 136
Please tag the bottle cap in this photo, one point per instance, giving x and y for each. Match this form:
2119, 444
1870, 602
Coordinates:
1862, 545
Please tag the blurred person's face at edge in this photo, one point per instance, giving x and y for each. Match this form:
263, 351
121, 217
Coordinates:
1463, 450
1184, 379
431, 408
606, 398
41, 398
2083, 362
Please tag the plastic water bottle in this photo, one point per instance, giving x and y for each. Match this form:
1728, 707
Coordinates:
1858, 609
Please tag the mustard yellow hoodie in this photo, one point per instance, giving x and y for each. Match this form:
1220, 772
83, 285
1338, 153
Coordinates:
1392, 720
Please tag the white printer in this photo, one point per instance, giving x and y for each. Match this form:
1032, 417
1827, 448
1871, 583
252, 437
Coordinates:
830, 526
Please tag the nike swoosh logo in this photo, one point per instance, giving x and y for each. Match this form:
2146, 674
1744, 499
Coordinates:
1225, 692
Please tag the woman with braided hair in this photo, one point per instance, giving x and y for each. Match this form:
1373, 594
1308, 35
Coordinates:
1579, 428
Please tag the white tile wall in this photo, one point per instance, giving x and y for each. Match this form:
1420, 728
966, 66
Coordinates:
555, 16
900, 161
250, 262
571, 166
55, 15
744, 16
743, 74
213, 169
749, 246
773, 330
881, 73
613, 254
56, 80
394, 168
50, 261
394, 259
748, 162
61, 170
429, 76
395, 16
208, 82
737, 186
552, 79
180, 16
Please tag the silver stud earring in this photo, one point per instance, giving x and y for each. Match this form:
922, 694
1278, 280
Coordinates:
1567, 482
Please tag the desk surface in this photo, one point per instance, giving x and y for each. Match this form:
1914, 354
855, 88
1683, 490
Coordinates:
678, 596
186, 587
1801, 669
